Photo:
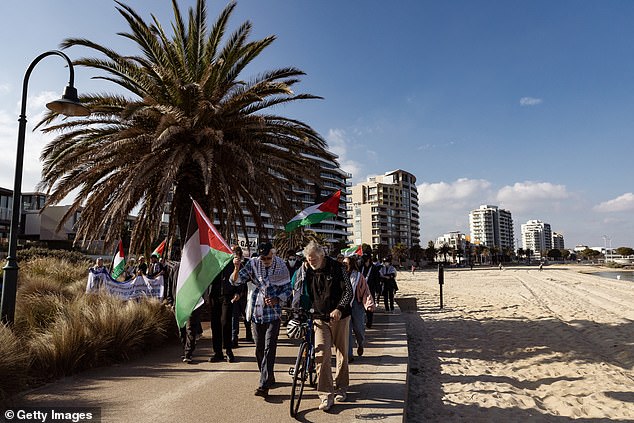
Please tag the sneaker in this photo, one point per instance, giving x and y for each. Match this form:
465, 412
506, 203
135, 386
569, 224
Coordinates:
360, 350
261, 392
216, 358
230, 357
341, 396
187, 360
326, 403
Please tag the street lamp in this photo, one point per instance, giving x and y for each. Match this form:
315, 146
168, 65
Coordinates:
68, 105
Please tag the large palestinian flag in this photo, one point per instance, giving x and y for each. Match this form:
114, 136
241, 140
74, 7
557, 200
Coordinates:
315, 214
204, 256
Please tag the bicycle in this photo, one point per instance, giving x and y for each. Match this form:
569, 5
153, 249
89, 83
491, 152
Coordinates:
300, 326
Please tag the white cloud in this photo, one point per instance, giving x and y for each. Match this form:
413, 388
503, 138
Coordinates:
621, 203
527, 196
34, 142
530, 101
338, 143
5, 88
459, 193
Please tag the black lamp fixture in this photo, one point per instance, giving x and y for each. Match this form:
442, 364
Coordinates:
68, 105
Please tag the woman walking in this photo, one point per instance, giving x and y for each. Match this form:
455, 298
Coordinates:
362, 300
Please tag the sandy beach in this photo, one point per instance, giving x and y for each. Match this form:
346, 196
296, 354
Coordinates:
519, 345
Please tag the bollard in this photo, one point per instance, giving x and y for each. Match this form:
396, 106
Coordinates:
441, 280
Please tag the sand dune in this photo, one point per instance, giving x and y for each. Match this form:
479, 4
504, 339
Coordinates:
520, 345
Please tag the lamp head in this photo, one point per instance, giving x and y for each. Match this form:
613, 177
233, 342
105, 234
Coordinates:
69, 104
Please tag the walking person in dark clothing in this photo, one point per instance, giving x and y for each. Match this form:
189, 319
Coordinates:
371, 273
222, 295
388, 277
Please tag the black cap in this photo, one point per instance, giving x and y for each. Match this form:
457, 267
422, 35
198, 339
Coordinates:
264, 248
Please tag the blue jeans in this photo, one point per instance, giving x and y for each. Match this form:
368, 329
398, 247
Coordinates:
357, 326
265, 338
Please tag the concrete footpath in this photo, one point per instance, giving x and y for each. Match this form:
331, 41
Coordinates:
160, 388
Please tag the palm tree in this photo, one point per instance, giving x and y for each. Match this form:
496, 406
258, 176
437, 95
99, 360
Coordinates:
295, 241
193, 127
443, 251
399, 252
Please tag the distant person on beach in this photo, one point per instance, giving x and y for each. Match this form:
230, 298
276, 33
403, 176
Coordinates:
362, 300
371, 273
541, 266
388, 278
270, 286
413, 268
330, 294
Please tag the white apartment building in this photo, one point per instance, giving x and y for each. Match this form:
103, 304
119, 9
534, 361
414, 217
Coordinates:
537, 236
384, 211
492, 227
455, 240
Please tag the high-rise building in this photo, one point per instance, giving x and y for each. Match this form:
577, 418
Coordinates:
537, 237
384, 211
304, 195
492, 227
558, 241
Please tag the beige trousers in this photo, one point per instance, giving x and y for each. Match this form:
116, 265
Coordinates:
327, 335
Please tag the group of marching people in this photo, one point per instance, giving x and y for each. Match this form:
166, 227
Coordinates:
342, 294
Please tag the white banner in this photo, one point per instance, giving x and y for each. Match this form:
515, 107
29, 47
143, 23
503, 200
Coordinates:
138, 287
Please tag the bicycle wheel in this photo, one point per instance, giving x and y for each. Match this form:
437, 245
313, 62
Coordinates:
312, 372
299, 378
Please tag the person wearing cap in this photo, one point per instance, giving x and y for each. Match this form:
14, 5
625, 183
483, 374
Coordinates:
388, 278
130, 269
268, 280
330, 294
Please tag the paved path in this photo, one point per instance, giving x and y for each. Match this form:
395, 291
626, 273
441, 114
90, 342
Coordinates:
159, 388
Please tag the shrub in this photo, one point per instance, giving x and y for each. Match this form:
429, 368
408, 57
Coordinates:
73, 257
14, 364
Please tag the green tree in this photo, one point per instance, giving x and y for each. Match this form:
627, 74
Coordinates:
554, 254
443, 251
399, 252
625, 251
193, 126
416, 253
430, 252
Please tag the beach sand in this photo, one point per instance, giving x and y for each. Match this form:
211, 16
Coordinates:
519, 345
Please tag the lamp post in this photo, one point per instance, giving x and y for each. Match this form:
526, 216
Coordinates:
68, 105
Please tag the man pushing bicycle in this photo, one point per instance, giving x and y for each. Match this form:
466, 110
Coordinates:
330, 292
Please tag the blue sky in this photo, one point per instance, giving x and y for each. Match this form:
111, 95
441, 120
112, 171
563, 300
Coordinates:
528, 105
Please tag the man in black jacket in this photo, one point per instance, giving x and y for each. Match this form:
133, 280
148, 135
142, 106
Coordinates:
222, 295
330, 292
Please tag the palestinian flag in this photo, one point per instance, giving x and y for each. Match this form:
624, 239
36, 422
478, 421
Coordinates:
160, 249
315, 214
204, 256
118, 262
349, 252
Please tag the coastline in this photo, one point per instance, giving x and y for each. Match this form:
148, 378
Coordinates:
519, 345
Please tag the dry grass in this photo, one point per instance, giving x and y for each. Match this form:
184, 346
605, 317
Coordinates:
14, 364
60, 330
